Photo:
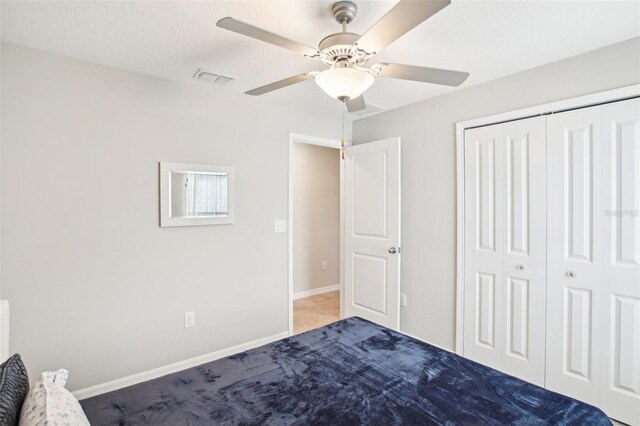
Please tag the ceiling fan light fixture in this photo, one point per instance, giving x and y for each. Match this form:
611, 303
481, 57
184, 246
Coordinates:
344, 83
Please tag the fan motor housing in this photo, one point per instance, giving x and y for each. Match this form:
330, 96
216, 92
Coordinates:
339, 45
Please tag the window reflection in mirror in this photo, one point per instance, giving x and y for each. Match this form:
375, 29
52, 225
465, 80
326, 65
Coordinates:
196, 194
199, 194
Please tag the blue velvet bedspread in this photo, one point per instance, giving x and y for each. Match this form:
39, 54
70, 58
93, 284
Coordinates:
352, 372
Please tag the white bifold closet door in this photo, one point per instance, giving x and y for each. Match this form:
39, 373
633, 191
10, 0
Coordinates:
505, 252
593, 283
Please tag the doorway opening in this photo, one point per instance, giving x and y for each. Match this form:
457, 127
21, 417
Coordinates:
315, 233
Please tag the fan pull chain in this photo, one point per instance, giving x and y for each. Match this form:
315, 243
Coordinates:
342, 142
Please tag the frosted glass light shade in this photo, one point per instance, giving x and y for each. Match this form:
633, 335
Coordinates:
344, 83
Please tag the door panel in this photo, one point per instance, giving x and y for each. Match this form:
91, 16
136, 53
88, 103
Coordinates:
483, 276
370, 194
626, 344
578, 168
505, 209
577, 356
518, 323
573, 285
620, 257
370, 282
372, 227
518, 196
524, 259
486, 311
485, 197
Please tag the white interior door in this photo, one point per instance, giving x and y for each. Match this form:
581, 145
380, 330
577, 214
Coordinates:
372, 232
505, 247
573, 277
620, 254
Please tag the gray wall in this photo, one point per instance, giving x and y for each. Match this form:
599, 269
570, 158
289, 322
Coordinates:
316, 216
96, 285
427, 130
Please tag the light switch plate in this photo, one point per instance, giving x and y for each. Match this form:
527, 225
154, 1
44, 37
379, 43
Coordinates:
403, 299
280, 227
189, 319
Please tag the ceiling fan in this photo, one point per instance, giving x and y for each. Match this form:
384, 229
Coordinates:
347, 53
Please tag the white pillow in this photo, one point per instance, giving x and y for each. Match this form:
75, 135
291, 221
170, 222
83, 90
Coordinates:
49, 403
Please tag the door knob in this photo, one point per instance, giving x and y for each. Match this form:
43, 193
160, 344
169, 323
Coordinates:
392, 250
571, 274
521, 267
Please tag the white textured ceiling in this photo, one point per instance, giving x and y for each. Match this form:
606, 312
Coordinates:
173, 39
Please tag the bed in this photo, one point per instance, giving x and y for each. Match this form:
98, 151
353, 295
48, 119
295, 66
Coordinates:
347, 373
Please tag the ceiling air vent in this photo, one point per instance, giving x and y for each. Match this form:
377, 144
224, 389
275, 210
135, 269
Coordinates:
213, 77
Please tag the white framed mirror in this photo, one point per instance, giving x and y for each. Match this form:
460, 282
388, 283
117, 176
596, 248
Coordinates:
196, 194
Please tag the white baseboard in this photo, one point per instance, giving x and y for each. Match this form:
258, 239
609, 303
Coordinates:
426, 341
174, 367
316, 291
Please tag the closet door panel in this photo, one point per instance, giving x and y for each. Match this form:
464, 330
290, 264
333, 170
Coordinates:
574, 175
483, 246
620, 253
524, 257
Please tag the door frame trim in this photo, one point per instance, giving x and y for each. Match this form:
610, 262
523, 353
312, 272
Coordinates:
585, 101
329, 143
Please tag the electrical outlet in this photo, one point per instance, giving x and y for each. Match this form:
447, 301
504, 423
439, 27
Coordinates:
323, 265
279, 227
403, 299
189, 319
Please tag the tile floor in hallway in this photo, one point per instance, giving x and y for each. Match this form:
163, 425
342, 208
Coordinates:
315, 311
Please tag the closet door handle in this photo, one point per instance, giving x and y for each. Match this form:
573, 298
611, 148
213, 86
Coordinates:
571, 274
521, 267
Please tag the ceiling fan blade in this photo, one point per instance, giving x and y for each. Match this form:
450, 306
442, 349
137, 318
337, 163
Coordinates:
405, 16
356, 104
282, 83
240, 27
423, 74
